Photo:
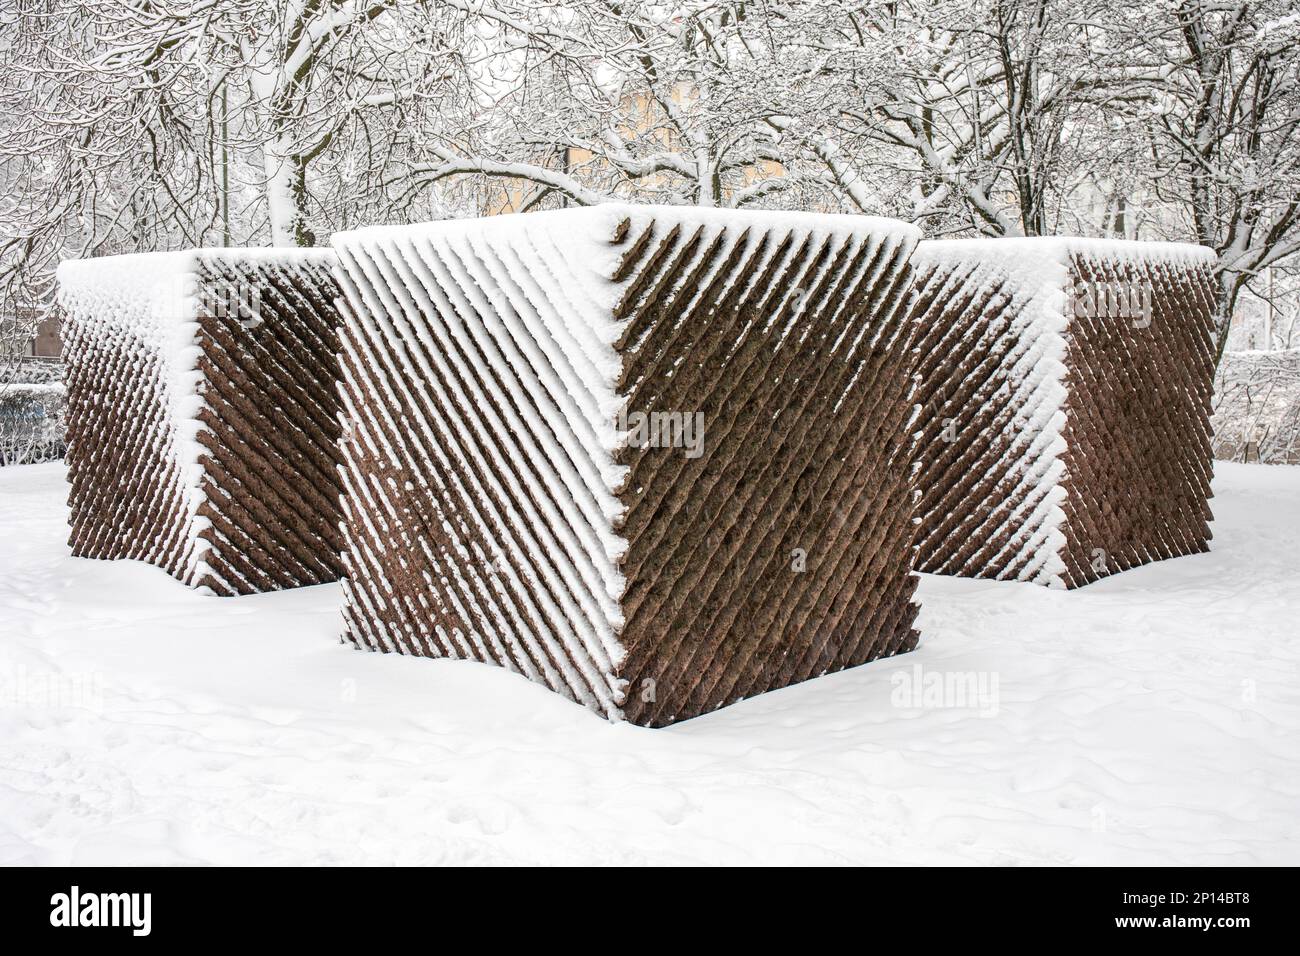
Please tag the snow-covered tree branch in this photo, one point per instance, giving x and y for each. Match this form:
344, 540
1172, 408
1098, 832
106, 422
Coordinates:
135, 124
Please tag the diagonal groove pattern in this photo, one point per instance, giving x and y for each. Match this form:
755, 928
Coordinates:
205, 414
1061, 436
1138, 465
495, 509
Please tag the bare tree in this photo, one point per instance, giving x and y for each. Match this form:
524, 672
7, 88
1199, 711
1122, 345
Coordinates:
1224, 144
139, 124
622, 99
153, 124
961, 109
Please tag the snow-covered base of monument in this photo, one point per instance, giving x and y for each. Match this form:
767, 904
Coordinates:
654, 458
1150, 719
1065, 396
202, 414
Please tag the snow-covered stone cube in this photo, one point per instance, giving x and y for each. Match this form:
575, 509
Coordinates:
654, 458
202, 414
1065, 391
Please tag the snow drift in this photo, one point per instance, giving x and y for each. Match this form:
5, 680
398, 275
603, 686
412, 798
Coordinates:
202, 414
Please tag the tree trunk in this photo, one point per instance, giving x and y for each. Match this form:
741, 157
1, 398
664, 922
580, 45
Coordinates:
286, 197
1229, 286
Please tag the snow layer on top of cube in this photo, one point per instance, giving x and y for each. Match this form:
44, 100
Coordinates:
1028, 251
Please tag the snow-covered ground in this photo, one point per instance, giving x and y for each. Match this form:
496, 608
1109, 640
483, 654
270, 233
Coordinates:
1151, 718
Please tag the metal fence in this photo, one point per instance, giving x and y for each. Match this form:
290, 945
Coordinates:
31, 423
